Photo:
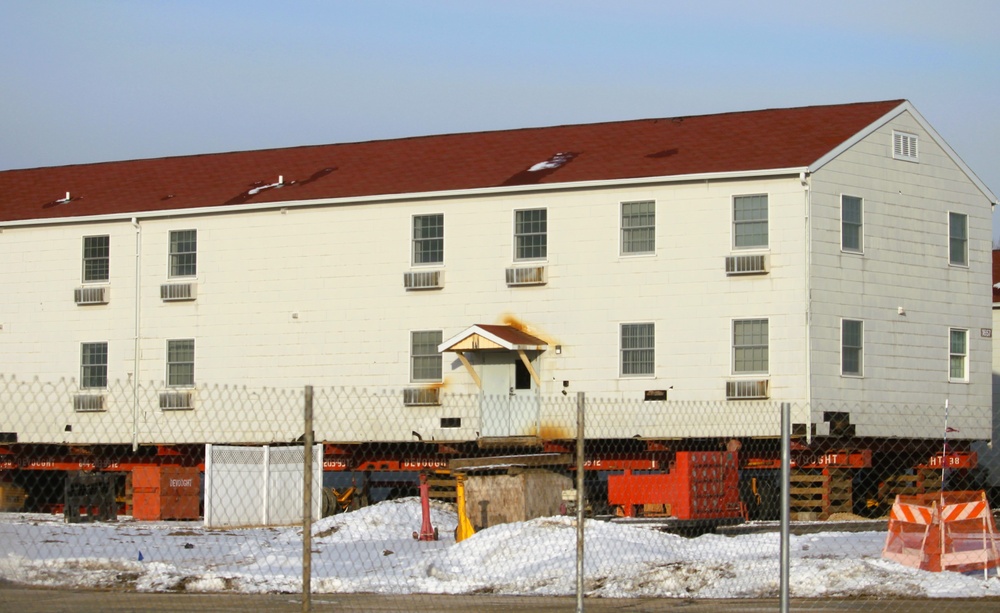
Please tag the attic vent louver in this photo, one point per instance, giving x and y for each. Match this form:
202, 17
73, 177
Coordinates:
904, 146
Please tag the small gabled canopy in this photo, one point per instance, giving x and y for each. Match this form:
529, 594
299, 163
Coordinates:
485, 337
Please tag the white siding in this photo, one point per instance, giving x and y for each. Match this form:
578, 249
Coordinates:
315, 296
904, 265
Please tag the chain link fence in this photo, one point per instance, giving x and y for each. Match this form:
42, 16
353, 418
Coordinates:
413, 491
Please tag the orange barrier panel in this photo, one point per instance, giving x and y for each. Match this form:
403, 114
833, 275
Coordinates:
698, 485
943, 531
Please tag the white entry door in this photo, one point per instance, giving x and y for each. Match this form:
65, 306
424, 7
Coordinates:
510, 400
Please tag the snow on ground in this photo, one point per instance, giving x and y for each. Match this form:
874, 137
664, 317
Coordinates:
373, 550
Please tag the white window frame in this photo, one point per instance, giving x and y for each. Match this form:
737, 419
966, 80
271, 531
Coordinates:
627, 236
518, 236
89, 368
859, 348
89, 258
962, 356
416, 252
738, 224
427, 358
905, 146
739, 348
174, 257
962, 241
860, 224
649, 345
177, 364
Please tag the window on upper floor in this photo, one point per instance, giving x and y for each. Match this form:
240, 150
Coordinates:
750, 221
530, 234
750, 346
428, 239
958, 366
638, 227
851, 224
958, 239
638, 350
93, 365
96, 258
852, 347
180, 362
904, 146
425, 360
183, 253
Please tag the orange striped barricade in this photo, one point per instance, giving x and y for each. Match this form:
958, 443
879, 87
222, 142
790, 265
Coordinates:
968, 532
943, 531
911, 533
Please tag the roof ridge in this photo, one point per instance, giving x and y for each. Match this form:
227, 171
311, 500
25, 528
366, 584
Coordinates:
456, 134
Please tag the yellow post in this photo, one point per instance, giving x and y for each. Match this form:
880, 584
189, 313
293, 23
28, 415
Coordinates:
464, 529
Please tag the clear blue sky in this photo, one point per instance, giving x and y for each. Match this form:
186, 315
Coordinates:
95, 80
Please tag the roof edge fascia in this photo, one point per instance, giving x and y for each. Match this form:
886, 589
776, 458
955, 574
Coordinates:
476, 329
903, 107
411, 196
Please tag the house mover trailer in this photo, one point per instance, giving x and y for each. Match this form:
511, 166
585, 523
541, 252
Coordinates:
452, 302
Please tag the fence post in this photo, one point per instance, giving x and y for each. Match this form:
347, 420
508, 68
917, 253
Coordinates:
786, 498
307, 485
579, 500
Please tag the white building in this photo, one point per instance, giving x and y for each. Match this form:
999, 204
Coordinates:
832, 257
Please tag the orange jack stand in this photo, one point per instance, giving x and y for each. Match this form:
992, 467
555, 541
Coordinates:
427, 531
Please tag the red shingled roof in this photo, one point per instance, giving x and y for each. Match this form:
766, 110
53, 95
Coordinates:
729, 142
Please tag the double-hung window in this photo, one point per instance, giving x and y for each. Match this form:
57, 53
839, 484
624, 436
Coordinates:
958, 367
93, 365
750, 346
530, 234
96, 258
958, 239
851, 347
750, 221
425, 361
638, 353
428, 239
851, 224
180, 363
638, 227
183, 253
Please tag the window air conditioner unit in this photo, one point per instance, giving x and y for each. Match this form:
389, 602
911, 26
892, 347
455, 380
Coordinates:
423, 279
88, 403
746, 264
176, 400
747, 390
529, 275
92, 295
173, 292
421, 396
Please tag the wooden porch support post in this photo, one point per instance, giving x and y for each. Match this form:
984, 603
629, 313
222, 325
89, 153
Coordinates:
527, 364
468, 367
